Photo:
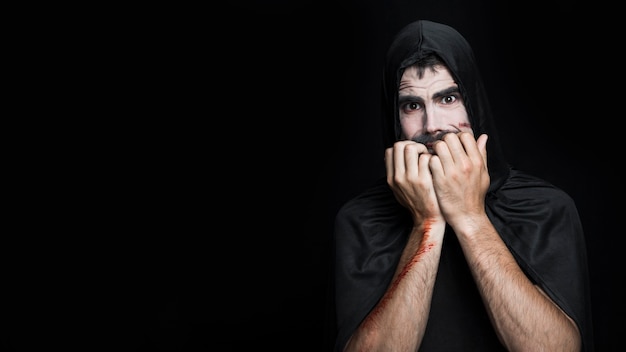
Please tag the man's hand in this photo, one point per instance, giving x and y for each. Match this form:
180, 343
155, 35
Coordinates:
460, 175
409, 177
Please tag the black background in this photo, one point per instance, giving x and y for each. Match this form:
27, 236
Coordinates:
253, 122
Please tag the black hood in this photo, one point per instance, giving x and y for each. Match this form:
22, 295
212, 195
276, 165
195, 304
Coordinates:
456, 52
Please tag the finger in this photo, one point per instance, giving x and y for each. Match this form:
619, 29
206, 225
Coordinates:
412, 153
398, 156
435, 166
395, 161
482, 146
475, 149
423, 164
444, 149
455, 145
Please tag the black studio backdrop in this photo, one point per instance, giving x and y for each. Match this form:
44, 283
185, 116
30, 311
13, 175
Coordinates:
321, 67
259, 119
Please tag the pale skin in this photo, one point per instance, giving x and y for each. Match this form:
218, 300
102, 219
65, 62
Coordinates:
446, 182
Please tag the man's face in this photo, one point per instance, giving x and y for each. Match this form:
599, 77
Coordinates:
430, 106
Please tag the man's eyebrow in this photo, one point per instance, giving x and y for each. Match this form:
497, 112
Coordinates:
403, 99
447, 91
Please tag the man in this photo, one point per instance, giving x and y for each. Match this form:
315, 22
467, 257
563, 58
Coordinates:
455, 250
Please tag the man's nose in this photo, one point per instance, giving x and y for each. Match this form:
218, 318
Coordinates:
434, 121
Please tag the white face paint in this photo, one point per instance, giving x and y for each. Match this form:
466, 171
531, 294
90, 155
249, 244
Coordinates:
430, 106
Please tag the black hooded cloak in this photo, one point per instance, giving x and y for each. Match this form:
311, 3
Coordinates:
538, 222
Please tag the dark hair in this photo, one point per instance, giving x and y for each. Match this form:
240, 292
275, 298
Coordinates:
424, 60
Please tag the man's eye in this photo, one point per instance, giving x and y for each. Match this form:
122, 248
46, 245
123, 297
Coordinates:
412, 106
448, 99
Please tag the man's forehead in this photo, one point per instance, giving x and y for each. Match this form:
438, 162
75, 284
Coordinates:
441, 79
